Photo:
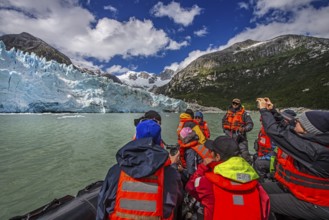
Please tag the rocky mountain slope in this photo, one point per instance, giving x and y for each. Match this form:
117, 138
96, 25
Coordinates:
292, 70
28, 43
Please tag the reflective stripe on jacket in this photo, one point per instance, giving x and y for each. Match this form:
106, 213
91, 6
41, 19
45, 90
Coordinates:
140, 198
235, 189
235, 200
264, 143
234, 120
306, 187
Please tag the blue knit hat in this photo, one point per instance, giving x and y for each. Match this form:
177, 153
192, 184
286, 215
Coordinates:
149, 128
315, 122
198, 114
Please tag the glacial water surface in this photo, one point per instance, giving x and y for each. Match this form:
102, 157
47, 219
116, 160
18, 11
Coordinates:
47, 156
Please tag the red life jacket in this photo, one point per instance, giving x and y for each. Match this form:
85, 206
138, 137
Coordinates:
140, 198
234, 120
304, 186
264, 143
204, 128
234, 200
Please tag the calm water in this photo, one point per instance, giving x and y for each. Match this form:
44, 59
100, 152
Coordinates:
47, 156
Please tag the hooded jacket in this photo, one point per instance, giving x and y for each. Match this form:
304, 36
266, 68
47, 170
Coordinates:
195, 127
202, 188
140, 158
311, 152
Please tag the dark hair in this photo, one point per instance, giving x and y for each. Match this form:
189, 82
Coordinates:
149, 115
190, 112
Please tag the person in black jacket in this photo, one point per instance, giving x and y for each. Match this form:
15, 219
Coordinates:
302, 190
140, 160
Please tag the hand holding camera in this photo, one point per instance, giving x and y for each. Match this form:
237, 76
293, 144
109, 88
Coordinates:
264, 103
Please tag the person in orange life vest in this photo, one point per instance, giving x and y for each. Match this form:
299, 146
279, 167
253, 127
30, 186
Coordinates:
236, 123
202, 124
144, 182
227, 186
302, 171
188, 136
266, 148
190, 157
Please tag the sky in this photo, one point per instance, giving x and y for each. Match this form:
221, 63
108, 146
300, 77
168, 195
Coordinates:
117, 36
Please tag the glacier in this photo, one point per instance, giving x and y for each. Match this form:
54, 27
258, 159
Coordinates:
30, 84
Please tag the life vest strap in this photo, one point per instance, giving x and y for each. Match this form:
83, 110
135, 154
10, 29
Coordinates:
302, 180
130, 216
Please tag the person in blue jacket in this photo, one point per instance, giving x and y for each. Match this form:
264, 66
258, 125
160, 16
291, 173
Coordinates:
142, 158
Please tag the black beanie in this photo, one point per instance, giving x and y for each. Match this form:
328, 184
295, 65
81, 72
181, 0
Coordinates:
315, 122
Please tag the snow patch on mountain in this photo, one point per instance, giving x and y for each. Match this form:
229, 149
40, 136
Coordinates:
143, 79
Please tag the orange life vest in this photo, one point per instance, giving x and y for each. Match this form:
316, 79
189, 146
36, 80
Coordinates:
205, 130
182, 123
234, 120
199, 148
234, 200
264, 143
304, 186
140, 198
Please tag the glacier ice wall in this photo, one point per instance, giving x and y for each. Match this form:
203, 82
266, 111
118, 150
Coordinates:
29, 83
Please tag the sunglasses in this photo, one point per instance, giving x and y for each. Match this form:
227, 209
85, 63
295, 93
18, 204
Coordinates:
198, 117
235, 103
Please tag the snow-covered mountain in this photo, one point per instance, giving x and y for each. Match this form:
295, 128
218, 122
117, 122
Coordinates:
146, 80
29, 83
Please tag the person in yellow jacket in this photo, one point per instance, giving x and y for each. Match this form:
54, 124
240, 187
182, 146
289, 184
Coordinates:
189, 157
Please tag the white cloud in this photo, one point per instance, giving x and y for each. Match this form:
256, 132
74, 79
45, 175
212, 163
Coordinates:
174, 11
202, 32
117, 69
264, 6
191, 57
243, 5
173, 45
111, 8
75, 31
305, 21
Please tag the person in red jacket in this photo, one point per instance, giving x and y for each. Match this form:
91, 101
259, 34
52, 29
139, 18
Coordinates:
227, 186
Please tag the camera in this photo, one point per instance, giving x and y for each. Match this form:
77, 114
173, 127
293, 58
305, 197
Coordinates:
173, 149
